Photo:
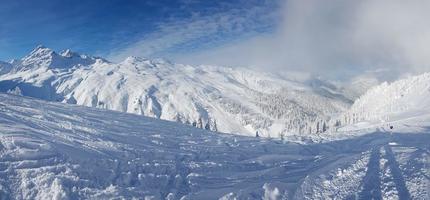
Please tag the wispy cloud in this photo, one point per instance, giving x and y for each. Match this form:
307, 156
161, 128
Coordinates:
200, 31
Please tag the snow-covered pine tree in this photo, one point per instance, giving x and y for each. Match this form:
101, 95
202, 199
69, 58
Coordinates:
200, 123
324, 128
214, 127
207, 126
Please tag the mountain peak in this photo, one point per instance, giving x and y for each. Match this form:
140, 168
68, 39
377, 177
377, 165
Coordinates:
134, 59
41, 50
41, 46
162, 61
42, 56
67, 53
156, 61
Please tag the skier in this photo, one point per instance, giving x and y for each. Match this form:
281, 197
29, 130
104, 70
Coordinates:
391, 135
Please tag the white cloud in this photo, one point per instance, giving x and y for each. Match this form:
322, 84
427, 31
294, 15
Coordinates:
337, 37
323, 37
198, 31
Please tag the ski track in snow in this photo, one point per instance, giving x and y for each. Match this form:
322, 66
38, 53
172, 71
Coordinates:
59, 151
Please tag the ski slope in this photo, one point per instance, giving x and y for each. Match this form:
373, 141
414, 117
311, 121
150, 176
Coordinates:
59, 151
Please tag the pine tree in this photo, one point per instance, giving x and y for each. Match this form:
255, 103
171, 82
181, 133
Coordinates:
200, 123
207, 126
215, 127
318, 127
324, 127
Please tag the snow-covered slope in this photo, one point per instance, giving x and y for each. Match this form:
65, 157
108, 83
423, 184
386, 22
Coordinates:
229, 100
389, 102
5, 67
57, 151
359, 85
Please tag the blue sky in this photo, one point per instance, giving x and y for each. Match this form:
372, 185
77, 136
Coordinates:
118, 28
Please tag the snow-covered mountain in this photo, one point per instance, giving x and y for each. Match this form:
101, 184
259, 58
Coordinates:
5, 67
232, 100
51, 150
389, 101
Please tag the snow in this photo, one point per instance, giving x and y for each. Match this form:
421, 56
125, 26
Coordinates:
231, 100
388, 102
5, 67
53, 150
316, 143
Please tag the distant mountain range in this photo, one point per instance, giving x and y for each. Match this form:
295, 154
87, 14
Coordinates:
342, 141
223, 99
233, 100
